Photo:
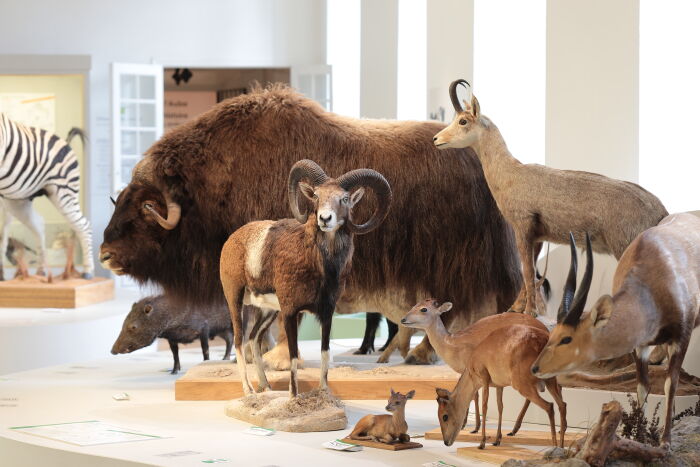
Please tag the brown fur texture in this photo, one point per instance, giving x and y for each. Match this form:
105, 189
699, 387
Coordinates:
444, 235
386, 428
656, 300
545, 204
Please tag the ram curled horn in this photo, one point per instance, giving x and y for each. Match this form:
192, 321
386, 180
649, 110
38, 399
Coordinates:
174, 212
572, 306
312, 173
453, 93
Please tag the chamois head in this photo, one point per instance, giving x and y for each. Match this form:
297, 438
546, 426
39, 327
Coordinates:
570, 343
425, 313
333, 199
451, 419
397, 400
465, 128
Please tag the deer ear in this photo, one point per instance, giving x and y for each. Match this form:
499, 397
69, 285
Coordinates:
410, 394
307, 190
476, 108
357, 196
442, 393
601, 312
447, 306
392, 392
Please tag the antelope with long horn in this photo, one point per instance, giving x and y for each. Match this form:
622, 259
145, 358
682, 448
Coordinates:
614, 212
299, 264
656, 300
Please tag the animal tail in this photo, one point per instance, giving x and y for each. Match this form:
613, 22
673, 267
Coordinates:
75, 131
542, 278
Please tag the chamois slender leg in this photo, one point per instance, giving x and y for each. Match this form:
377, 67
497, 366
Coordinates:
531, 392
676, 353
499, 402
525, 249
265, 321
555, 390
290, 328
325, 346
641, 360
204, 341
228, 338
484, 409
519, 420
176, 356
234, 298
477, 413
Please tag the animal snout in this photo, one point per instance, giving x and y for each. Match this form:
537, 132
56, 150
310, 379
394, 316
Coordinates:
535, 369
325, 219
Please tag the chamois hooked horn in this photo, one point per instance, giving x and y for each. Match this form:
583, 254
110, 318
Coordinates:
303, 170
574, 315
174, 212
570, 286
453, 93
371, 179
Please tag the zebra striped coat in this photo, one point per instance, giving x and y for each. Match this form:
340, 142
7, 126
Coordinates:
35, 162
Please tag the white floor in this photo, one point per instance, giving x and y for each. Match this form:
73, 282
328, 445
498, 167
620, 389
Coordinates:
80, 392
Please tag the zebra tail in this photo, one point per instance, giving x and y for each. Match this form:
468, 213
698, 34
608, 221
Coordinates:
75, 131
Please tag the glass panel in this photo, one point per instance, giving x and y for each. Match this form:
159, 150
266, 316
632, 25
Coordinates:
321, 87
147, 87
128, 86
146, 139
147, 115
129, 115
127, 166
305, 85
129, 142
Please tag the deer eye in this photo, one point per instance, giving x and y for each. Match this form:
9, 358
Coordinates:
566, 340
423, 310
462, 121
445, 417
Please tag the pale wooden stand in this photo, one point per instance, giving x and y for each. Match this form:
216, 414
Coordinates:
70, 293
525, 437
385, 446
498, 454
216, 380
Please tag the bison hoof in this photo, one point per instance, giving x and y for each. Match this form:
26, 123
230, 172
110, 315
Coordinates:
362, 351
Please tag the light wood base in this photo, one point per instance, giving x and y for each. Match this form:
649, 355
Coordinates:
498, 454
212, 380
71, 293
385, 446
526, 437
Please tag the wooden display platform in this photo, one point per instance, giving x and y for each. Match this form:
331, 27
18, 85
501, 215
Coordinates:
385, 446
71, 293
526, 437
217, 380
498, 454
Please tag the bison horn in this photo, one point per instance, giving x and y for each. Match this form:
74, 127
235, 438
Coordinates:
303, 170
453, 93
570, 286
574, 314
371, 179
174, 212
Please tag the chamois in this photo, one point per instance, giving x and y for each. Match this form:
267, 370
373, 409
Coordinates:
299, 264
386, 428
502, 359
457, 349
545, 204
656, 300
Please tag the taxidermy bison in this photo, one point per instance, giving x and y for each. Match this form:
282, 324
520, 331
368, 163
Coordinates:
444, 236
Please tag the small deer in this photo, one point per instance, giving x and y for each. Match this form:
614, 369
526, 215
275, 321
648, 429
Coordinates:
502, 359
386, 428
613, 211
655, 301
457, 349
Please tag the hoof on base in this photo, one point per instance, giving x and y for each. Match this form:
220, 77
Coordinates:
87, 275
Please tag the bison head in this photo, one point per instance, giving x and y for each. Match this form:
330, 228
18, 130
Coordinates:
142, 219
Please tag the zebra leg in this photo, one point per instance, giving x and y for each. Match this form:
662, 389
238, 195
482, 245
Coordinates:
23, 211
4, 236
66, 202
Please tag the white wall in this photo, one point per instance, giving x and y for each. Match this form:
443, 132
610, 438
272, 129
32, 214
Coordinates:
262, 33
593, 86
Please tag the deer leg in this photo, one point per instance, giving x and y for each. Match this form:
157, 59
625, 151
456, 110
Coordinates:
555, 390
499, 402
403, 333
641, 360
325, 346
477, 413
484, 408
525, 249
676, 353
265, 320
234, 297
534, 396
291, 329
519, 420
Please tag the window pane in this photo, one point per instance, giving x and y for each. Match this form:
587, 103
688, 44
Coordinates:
147, 115
129, 142
128, 86
305, 85
146, 139
147, 87
129, 115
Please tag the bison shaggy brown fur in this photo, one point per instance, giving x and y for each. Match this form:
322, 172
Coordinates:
444, 236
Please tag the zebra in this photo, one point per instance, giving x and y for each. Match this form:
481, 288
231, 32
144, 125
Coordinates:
35, 162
